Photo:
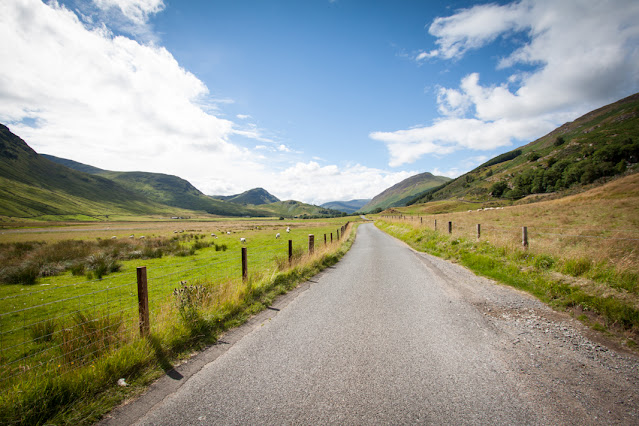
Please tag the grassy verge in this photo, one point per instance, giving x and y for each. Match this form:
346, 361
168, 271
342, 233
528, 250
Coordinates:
595, 293
188, 320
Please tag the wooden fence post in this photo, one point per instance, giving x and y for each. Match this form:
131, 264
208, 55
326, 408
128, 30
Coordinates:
435, 224
524, 237
338, 235
324, 239
143, 302
478, 231
290, 252
331, 238
421, 220
311, 243
244, 264
450, 227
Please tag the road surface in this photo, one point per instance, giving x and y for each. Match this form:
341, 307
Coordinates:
392, 336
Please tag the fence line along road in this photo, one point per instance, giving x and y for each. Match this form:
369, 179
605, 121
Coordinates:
391, 336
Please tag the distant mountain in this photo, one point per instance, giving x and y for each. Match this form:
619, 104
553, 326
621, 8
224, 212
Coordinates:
291, 208
594, 147
256, 197
166, 189
346, 206
31, 186
400, 194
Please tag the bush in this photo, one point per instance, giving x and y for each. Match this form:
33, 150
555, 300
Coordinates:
544, 262
559, 141
576, 267
102, 264
89, 337
189, 300
43, 331
533, 156
26, 274
498, 189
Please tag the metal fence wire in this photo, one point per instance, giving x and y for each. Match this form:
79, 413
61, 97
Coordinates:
56, 329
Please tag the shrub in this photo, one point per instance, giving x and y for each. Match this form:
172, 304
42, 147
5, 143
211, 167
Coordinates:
544, 262
498, 189
77, 269
43, 331
533, 156
102, 264
26, 273
89, 337
189, 300
559, 141
576, 267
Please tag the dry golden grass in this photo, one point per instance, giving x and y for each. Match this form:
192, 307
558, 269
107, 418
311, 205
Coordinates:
105, 230
601, 225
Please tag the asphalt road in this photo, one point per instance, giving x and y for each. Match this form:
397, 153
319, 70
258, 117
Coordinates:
391, 336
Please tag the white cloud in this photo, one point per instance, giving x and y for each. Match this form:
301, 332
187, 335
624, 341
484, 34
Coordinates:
320, 184
137, 11
243, 116
584, 55
451, 173
108, 100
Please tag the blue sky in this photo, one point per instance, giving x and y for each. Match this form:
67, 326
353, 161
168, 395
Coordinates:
313, 100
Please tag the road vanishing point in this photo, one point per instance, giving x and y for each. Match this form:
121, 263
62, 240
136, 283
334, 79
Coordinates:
393, 336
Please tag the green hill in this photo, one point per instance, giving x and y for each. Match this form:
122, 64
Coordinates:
166, 189
256, 197
400, 194
594, 147
33, 187
346, 206
292, 208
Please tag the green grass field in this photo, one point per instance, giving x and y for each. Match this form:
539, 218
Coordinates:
66, 326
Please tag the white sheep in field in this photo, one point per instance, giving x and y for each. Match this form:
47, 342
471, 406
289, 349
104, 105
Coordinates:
142, 237
277, 235
242, 240
131, 236
288, 230
213, 235
114, 237
228, 232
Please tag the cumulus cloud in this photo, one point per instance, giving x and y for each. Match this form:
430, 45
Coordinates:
582, 54
106, 100
300, 182
137, 11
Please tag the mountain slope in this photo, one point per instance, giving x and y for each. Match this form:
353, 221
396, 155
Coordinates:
600, 144
32, 186
346, 206
404, 191
291, 208
255, 196
166, 189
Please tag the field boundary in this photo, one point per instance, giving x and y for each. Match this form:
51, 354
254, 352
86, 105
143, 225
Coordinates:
270, 272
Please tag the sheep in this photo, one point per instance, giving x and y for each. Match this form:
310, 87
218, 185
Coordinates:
277, 235
114, 237
142, 237
243, 240
228, 232
131, 236
288, 230
213, 235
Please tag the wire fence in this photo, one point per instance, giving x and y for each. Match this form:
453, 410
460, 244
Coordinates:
56, 329
616, 247
448, 225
